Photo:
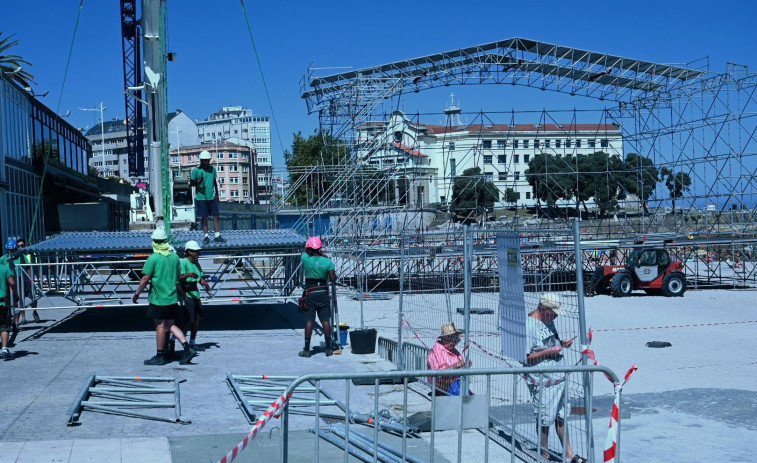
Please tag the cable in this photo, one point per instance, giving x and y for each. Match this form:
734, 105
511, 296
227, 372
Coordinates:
262, 76
57, 110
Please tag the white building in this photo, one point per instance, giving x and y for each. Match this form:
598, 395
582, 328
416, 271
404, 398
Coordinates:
431, 156
237, 124
114, 159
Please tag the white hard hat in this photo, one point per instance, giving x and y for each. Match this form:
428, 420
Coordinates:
192, 245
205, 154
159, 234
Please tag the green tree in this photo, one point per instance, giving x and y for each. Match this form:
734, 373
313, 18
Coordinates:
676, 183
12, 65
510, 197
473, 194
642, 177
551, 179
317, 150
602, 178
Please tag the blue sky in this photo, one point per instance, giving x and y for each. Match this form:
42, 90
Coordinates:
216, 64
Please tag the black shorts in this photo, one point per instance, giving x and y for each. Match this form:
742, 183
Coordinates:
6, 317
318, 302
189, 312
206, 208
162, 312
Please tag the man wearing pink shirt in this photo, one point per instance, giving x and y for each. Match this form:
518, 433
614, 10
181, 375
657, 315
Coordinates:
444, 356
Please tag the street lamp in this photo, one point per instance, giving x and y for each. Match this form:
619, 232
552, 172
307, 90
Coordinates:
102, 132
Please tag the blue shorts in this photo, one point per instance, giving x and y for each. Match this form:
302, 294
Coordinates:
205, 208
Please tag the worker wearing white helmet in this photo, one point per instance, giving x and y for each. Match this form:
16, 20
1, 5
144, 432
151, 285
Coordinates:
161, 271
205, 181
191, 275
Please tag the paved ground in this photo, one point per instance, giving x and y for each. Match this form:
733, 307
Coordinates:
693, 401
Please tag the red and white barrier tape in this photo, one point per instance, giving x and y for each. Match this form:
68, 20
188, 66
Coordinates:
611, 444
527, 378
274, 411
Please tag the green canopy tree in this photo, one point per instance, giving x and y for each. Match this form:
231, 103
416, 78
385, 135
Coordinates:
318, 149
551, 179
510, 197
601, 177
473, 194
677, 183
13, 65
642, 177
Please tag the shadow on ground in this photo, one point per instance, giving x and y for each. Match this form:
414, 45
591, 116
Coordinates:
217, 318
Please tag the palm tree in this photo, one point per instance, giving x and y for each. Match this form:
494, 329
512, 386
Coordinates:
12, 65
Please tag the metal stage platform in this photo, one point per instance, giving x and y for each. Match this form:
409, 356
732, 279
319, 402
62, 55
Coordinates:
102, 269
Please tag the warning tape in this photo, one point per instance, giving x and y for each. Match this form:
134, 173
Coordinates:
677, 326
611, 444
527, 378
274, 411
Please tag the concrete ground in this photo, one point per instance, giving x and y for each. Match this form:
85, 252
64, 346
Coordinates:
693, 401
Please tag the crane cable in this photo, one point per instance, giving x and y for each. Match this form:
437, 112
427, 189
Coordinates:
57, 110
262, 75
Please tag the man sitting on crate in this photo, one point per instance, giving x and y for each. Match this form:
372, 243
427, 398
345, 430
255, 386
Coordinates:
444, 356
316, 298
548, 394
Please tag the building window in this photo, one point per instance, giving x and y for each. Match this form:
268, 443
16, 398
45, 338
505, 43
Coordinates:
536, 143
219, 155
244, 180
591, 143
487, 159
221, 180
526, 158
233, 155
219, 168
234, 180
234, 193
222, 193
452, 167
452, 146
528, 195
246, 193
547, 142
515, 143
233, 168
558, 142
245, 168
516, 159
525, 144
503, 175
487, 145
578, 142
489, 176
604, 143
501, 144
517, 175
568, 143
502, 159
517, 195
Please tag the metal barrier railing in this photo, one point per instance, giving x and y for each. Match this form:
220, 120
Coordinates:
109, 283
447, 413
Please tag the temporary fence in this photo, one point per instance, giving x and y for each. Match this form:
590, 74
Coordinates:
107, 281
447, 417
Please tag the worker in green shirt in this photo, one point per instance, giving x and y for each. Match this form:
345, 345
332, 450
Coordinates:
27, 283
161, 271
205, 181
190, 275
7, 285
317, 269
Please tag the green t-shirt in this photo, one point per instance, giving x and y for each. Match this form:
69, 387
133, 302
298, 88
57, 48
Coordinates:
189, 267
316, 267
206, 190
11, 263
5, 273
164, 271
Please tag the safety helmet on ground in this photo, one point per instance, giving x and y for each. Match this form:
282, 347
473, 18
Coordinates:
159, 234
11, 244
192, 245
205, 154
314, 243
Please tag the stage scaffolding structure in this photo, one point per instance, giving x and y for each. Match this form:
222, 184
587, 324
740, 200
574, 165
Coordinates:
687, 119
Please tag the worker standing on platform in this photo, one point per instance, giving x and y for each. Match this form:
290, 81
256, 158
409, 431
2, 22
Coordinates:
26, 259
317, 269
205, 181
7, 285
191, 275
161, 271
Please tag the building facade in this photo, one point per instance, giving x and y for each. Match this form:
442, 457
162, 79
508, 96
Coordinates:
236, 166
236, 124
428, 158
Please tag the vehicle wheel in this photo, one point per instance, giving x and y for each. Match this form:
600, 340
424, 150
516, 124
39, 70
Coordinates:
622, 285
674, 284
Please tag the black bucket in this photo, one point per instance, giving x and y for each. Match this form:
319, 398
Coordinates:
363, 341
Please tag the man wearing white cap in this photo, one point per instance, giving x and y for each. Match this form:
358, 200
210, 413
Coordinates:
191, 276
205, 181
161, 271
548, 394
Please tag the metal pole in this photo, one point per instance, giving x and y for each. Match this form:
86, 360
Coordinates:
588, 390
401, 315
468, 275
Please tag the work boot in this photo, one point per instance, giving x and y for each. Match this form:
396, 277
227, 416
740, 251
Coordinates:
23, 322
7, 355
206, 240
305, 353
328, 351
219, 239
196, 347
36, 317
159, 360
188, 354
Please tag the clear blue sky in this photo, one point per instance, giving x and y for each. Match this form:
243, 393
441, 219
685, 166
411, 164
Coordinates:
216, 64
